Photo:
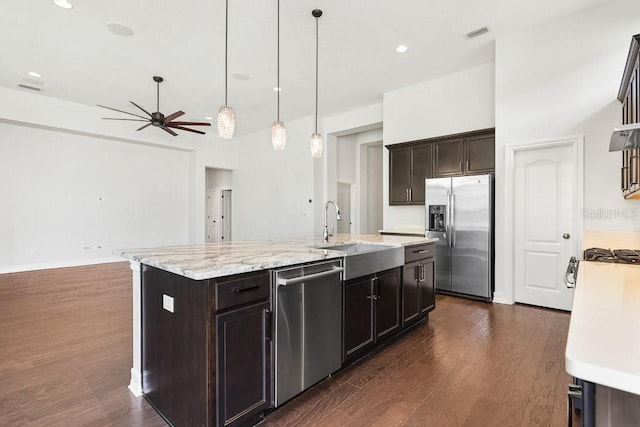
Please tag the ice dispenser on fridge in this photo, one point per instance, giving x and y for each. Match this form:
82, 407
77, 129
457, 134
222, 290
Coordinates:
436, 217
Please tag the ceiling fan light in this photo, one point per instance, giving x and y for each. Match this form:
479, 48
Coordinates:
278, 135
226, 122
316, 146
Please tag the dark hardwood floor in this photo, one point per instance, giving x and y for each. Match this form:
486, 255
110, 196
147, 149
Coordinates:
65, 355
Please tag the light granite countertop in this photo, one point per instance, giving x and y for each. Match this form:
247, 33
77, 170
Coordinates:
209, 260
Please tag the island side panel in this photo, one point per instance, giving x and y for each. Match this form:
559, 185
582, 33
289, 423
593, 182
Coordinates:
135, 383
174, 346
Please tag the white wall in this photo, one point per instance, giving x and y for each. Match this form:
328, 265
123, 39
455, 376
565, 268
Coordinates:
272, 189
70, 199
57, 158
561, 79
347, 162
374, 180
458, 102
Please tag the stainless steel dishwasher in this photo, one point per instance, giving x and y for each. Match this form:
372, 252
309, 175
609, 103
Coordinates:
307, 302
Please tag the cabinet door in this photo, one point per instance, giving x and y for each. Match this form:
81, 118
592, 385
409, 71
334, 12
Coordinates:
410, 276
358, 314
387, 290
399, 168
420, 170
480, 154
244, 364
448, 157
427, 287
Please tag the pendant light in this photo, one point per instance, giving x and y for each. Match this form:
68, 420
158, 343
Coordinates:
316, 138
226, 117
278, 131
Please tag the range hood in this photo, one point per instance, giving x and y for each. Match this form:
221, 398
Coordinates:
625, 137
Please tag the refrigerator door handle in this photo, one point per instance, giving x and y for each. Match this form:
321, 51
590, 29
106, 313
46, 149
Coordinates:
447, 228
451, 227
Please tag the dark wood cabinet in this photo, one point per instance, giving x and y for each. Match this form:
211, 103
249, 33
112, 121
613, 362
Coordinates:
472, 153
449, 157
479, 154
205, 347
410, 163
418, 284
243, 349
371, 311
629, 96
358, 315
408, 168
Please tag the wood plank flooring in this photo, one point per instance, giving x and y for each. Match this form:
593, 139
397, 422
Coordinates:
65, 355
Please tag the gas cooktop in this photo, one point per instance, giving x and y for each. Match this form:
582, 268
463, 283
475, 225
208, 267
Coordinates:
621, 256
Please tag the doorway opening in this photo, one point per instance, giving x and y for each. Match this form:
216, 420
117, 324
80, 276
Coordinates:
218, 204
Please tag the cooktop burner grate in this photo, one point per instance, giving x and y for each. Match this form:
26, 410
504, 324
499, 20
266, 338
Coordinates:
621, 256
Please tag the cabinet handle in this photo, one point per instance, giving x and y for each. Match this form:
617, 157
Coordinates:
423, 251
410, 195
407, 193
460, 166
417, 272
267, 324
467, 165
422, 272
247, 289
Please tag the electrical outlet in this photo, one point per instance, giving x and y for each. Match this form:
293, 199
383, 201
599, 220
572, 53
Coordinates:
167, 303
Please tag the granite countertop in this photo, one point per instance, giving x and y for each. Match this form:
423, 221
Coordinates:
205, 261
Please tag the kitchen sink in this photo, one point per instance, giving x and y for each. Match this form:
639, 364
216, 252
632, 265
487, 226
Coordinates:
363, 258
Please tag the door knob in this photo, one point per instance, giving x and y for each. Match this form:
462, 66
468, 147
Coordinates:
566, 236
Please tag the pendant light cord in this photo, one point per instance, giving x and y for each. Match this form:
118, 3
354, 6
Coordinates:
157, 96
278, 67
316, 128
226, 48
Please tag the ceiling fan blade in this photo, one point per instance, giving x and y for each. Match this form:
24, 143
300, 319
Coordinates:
175, 115
141, 108
187, 129
191, 123
166, 129
129, 120
147, 125
120, 111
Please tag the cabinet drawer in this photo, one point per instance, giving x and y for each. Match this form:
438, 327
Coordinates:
416, 252
241, 291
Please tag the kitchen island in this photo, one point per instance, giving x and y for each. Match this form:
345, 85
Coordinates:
213, 272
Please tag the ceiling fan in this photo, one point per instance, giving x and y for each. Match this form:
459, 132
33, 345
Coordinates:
166, 123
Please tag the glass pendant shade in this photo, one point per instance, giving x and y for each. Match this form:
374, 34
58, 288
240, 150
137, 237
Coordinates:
278, 135
226, 122
316, 146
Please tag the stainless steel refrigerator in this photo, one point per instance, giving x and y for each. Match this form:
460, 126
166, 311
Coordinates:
459, 211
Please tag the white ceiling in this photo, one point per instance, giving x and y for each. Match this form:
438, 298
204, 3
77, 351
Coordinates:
183, 41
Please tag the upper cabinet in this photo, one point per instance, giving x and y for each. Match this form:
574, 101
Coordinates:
629, 95
410, 163
409, 166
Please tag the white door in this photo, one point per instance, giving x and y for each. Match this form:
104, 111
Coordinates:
212, 216
545, 235
344, 201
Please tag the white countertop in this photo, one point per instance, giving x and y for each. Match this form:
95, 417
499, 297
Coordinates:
210, 260
603, 345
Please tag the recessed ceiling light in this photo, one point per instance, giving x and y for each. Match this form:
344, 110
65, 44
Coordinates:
241, 77
119, 29
208, 118
277, 89
401, 48
34, 74
63, 4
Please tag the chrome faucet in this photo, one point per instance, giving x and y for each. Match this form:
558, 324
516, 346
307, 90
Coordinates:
325, 232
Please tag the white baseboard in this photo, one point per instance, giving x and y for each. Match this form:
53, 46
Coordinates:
62, 264
499, 297
135, 384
